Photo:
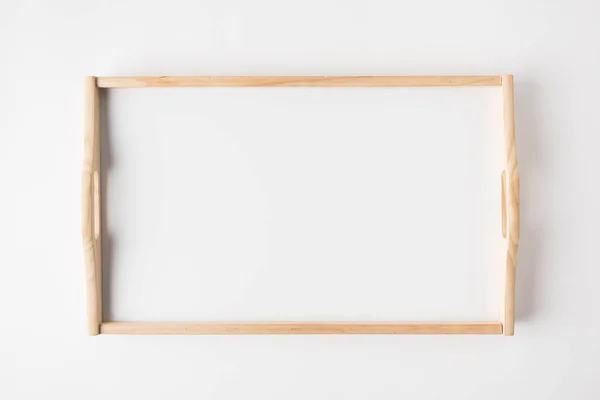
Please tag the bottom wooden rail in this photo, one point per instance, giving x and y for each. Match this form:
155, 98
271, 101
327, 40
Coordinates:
314, 328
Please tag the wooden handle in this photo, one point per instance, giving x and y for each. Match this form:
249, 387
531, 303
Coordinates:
513, 206
90, 206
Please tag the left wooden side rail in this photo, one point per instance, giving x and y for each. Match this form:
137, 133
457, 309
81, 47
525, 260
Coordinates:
90, 202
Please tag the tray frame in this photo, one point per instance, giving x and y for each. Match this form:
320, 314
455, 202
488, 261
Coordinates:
91, 207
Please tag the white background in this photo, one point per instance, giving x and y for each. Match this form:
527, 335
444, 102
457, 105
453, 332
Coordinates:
303, 204
46, 47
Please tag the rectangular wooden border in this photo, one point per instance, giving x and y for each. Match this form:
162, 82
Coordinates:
91, 187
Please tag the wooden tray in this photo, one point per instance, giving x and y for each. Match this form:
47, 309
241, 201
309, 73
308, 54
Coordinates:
91, 189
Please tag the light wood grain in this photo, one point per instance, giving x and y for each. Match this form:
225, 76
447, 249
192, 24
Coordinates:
513, 200
313, 328
90, 202
323, 81
503, 202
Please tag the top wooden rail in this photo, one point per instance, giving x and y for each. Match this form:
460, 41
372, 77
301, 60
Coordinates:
296, 81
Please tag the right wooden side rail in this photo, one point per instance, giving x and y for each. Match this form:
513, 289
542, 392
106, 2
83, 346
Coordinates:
512, 203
